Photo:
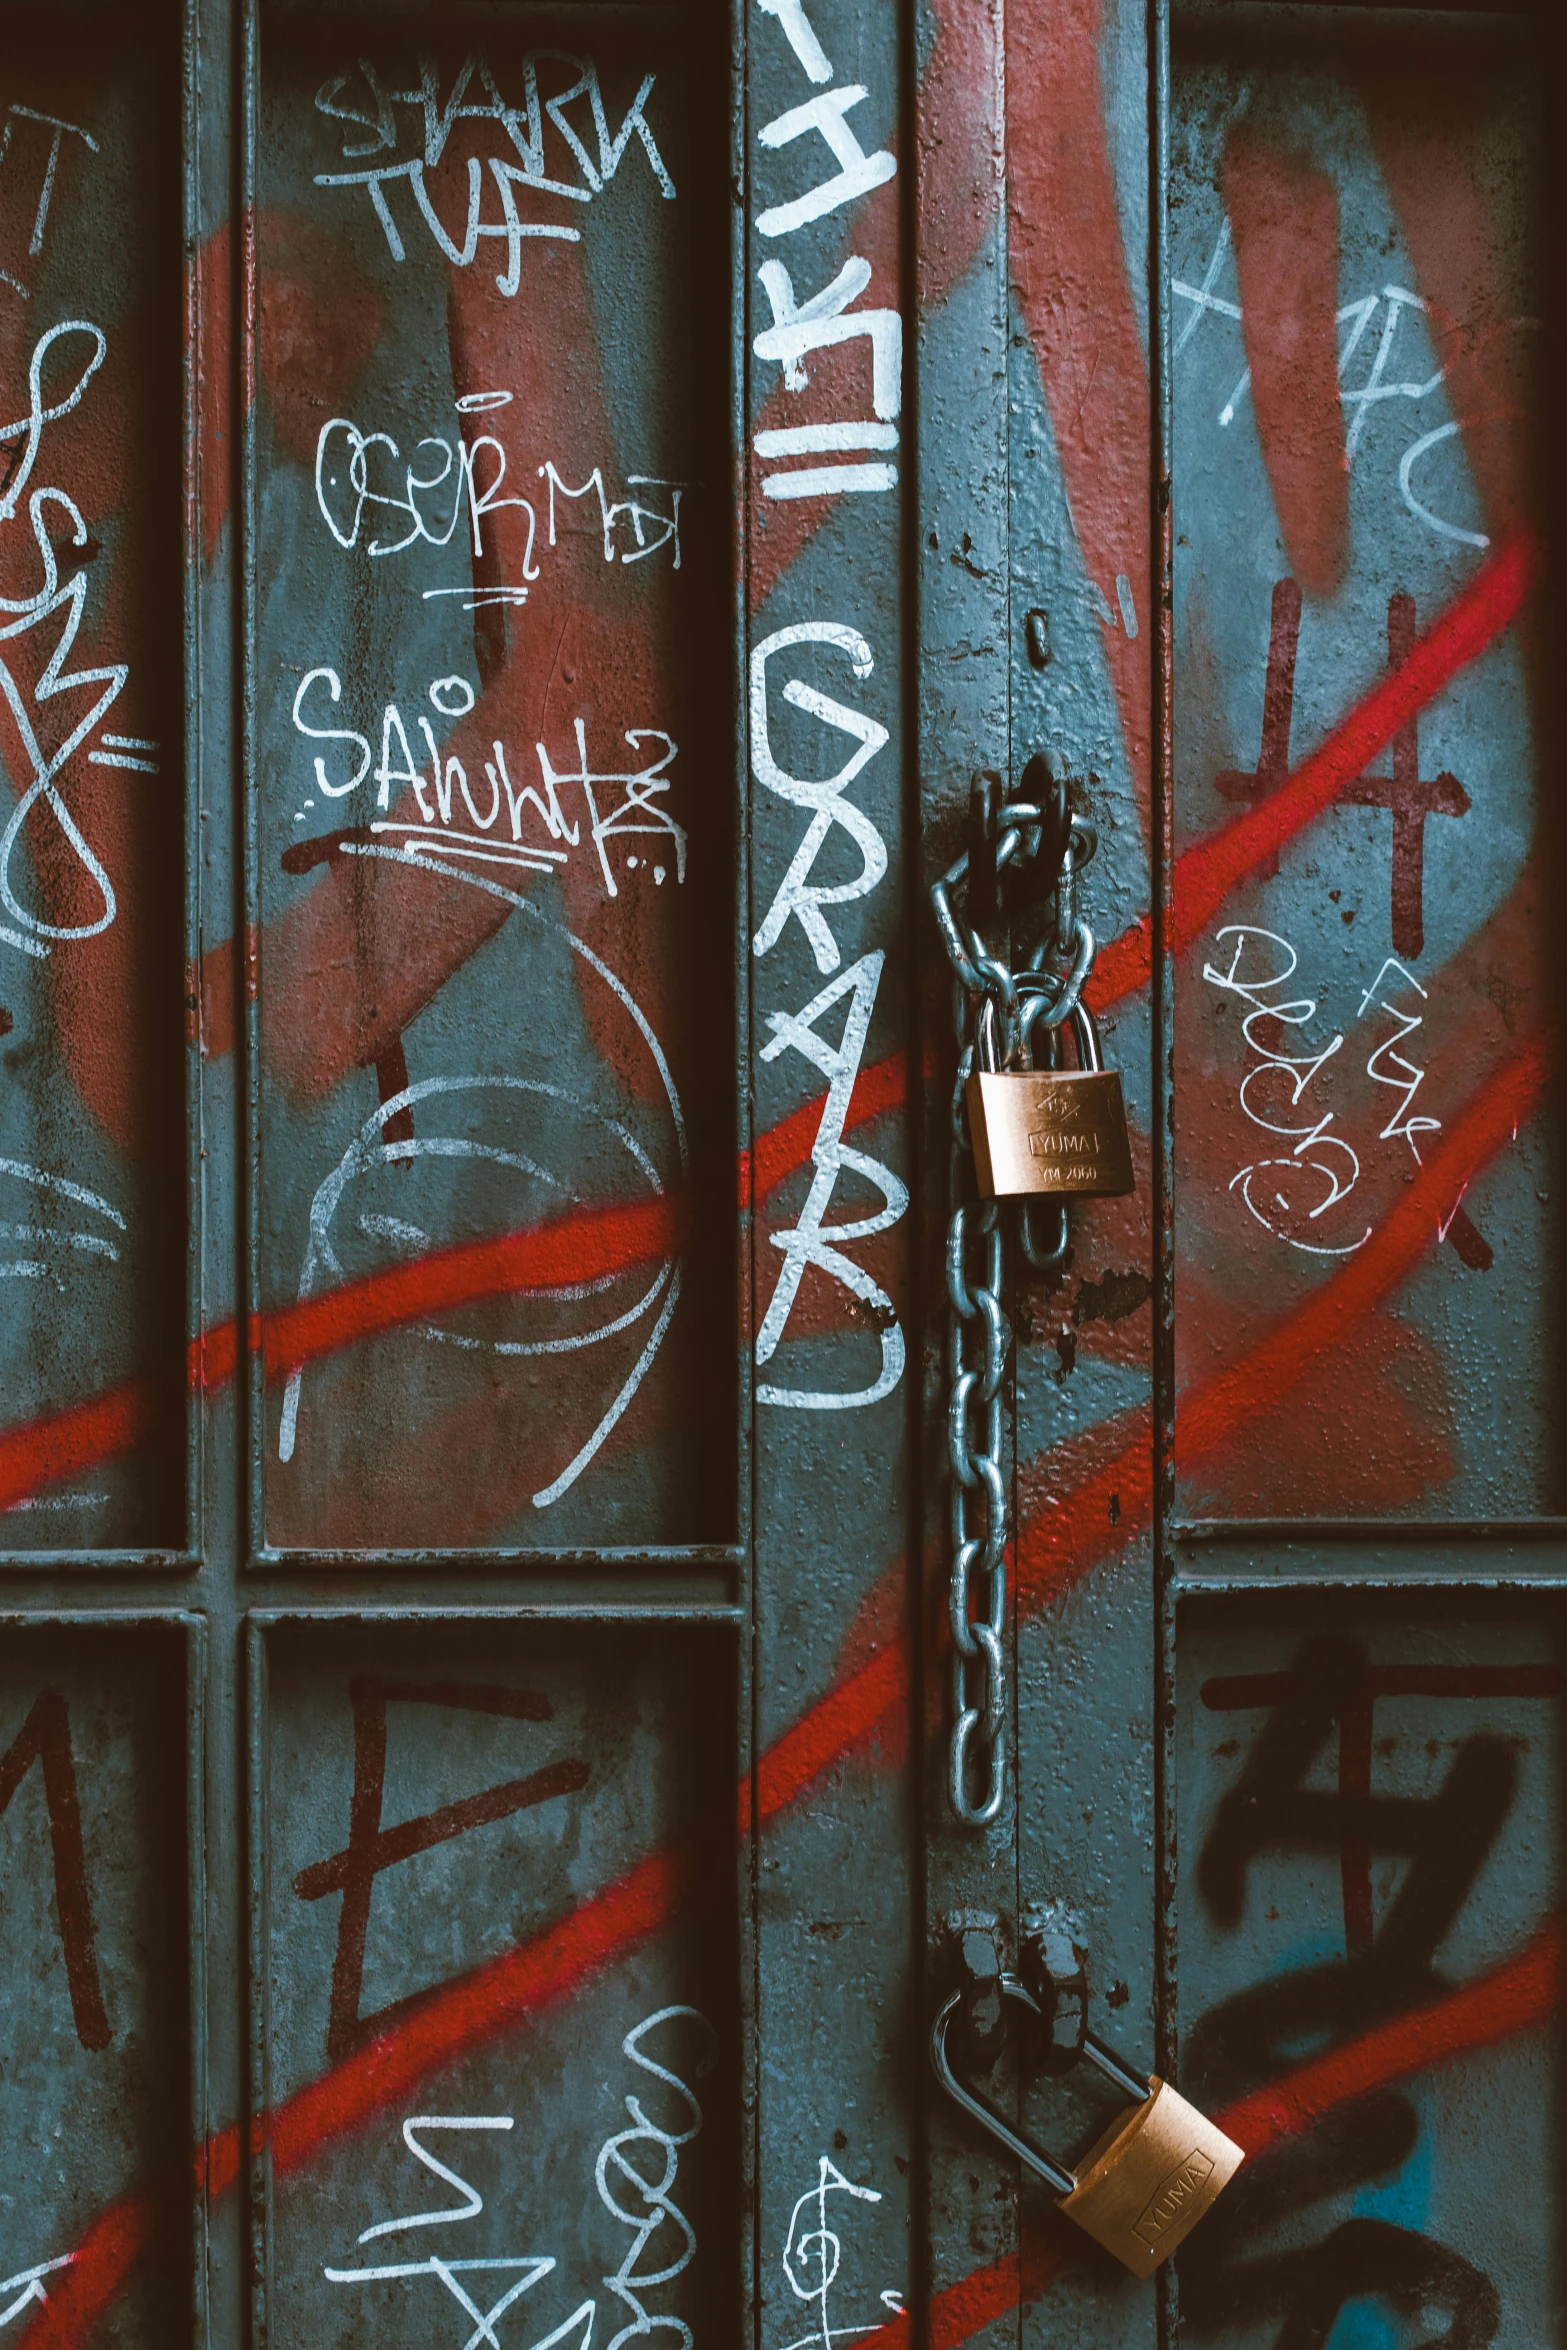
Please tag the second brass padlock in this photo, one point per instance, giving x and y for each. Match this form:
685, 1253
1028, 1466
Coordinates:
1059, 1132
1146, 2183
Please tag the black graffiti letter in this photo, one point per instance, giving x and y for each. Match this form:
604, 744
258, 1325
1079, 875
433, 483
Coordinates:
45, 1737
372, 1848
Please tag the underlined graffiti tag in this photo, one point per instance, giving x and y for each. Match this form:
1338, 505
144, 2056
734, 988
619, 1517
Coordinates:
657, 2215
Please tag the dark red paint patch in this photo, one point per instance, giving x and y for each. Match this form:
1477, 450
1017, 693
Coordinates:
1284, 222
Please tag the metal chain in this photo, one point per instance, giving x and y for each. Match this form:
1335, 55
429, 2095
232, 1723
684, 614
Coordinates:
1000, 1009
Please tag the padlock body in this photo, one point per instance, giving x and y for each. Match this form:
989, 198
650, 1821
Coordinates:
1060, 1132
1147, 2182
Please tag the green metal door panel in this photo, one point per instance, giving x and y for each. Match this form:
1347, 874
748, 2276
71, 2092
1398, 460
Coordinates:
495, 1933
1370, 1811
100, 1768
1354, 445
492, 856
92, 1168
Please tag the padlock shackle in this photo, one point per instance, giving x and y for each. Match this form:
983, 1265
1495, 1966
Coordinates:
1032, 2157
1044, 2166
1081, 1021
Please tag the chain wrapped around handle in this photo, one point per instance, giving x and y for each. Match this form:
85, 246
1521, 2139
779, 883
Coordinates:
996, 1011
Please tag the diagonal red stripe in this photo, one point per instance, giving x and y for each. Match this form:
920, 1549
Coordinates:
1206, 873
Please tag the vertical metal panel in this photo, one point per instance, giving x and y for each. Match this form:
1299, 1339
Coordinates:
1083, 556
101, 1825
95, 1449
965, 612
827, 492
1371, 1829
471, 1271
1367, 951
1366, 1770
492, 1890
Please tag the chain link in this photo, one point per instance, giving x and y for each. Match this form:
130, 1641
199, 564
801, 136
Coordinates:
996, 1012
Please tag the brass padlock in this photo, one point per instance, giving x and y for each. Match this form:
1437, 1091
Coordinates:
1148, 2180
1060, 1132
1145, 2183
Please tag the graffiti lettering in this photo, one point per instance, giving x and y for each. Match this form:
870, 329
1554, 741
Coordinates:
522, 127
32, 933
1332, 1689
659, 2213
824, 319
58, 130
45, 1738
528, 2269
1378, 387
372, 1848
813, 2255
364, 473
812, 1241
467, 825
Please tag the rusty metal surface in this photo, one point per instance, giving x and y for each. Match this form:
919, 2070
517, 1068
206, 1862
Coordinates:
92, 1218
1359, 1052
568, 1744
1370, 1811
491, 863
431, 1796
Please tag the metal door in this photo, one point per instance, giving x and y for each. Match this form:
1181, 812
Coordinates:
519, 521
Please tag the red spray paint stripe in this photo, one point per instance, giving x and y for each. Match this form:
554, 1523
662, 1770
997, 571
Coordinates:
1522, 1992
461, 2016
1206, 873
1056, 1544
1206, 1417
788, 1145
577, 1247
79, 2295
63, 1444
465, 2014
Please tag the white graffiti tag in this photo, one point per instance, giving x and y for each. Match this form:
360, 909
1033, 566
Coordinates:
653, 2189
526, 2269
812, 1241
813, 2255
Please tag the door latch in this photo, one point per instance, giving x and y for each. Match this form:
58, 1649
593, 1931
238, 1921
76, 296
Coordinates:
1156, 2169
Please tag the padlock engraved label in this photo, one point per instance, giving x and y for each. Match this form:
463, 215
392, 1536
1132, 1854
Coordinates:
1059, 1132
1147, 2182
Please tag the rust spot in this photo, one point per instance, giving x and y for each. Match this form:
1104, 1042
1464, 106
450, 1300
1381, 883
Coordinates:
1111, 1299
